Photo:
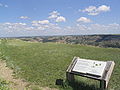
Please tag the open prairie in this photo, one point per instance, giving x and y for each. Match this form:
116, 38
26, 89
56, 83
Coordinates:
44, 63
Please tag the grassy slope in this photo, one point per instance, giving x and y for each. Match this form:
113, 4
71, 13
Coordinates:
43, 63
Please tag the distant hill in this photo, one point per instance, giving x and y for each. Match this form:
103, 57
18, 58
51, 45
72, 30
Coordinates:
95, 40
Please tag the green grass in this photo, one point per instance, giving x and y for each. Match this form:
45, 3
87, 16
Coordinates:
43, 63
4, 85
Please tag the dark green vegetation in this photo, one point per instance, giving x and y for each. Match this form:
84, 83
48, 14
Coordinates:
95, 40
3, 85
43, 63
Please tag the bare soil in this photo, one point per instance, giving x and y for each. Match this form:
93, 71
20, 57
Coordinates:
7, 74
16, 84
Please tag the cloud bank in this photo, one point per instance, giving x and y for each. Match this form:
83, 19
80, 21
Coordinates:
37, 28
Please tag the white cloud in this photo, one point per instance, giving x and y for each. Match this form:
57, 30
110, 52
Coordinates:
60, 19
6, 6
103, 8
24, 17
3, 5
40, 22
53, 15
84, 20
81, 27
12, 27
29, 28
93, 10
14, 24
107, 27
22, 24
43, 22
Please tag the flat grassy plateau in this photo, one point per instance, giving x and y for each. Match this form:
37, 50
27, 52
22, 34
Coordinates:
43, 63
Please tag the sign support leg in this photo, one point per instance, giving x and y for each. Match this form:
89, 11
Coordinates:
70, 77
102, 84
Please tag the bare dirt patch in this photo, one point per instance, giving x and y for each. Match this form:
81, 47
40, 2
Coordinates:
16, 84
7, 74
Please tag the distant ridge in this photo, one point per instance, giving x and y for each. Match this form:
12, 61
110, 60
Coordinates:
100, 40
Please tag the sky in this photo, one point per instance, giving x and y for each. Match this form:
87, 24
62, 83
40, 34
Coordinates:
58, 17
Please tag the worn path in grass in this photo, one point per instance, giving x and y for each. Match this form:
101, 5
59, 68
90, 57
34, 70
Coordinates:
7, 74
16, 84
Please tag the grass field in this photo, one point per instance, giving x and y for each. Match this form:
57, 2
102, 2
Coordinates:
43, 63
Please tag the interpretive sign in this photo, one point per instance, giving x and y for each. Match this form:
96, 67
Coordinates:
89, 67
94, 69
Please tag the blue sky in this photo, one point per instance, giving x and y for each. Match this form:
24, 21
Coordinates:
59, 17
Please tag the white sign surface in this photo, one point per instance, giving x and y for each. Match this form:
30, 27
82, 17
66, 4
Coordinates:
89, 66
